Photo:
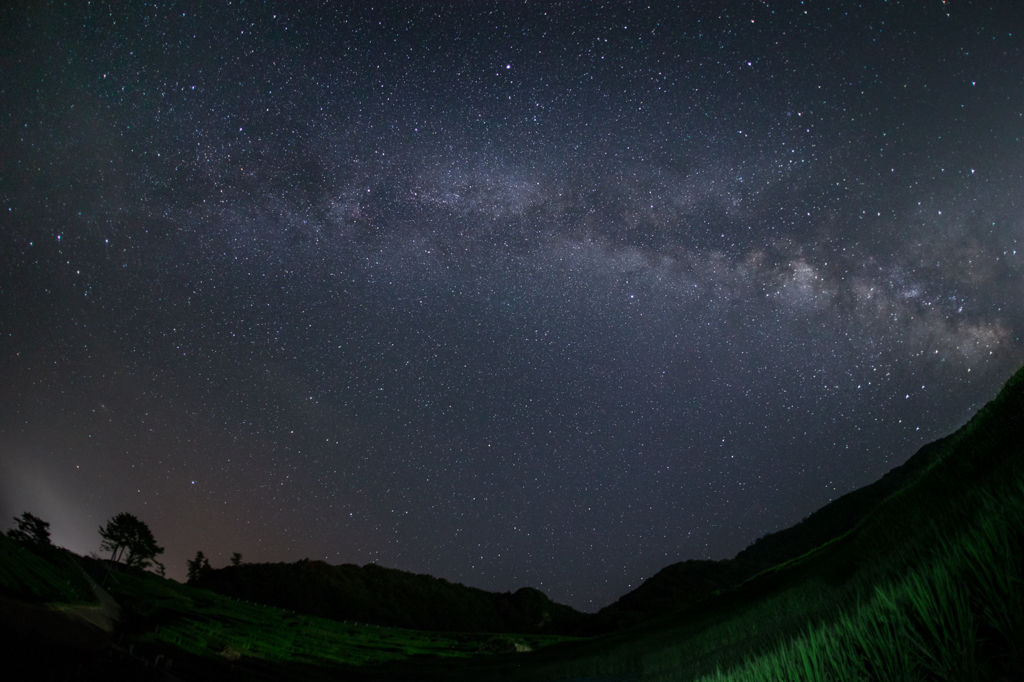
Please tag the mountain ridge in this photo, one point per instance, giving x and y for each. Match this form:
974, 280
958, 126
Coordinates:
990, 431
391, 597
682, 583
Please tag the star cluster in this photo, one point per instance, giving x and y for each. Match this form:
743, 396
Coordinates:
514, 294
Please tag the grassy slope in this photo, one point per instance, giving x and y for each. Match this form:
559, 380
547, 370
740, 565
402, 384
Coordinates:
50, 618
48, 576
682, 584
953, 611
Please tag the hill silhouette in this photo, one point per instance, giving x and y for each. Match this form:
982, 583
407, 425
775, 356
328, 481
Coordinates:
985, 443
386, 596
687, 582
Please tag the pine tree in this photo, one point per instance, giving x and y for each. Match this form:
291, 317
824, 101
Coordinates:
196, 567
32, 531
129, 539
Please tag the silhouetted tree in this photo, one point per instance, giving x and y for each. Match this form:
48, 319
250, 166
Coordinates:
31, 531
236, 558
197, 566
130, 540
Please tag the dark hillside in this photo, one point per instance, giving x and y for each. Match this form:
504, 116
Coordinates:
384, 596
835, 518
671, 588
41, 574
995, 432
373, 594
684, 583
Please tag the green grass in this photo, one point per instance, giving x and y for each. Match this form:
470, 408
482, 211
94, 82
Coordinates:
51, 576
957, 616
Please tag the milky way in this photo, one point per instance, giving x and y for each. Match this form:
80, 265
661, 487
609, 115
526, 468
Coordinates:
508, 293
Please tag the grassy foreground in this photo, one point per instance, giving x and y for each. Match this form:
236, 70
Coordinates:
957, 615
52, 576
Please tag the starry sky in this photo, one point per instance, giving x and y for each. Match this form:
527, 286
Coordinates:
512, 293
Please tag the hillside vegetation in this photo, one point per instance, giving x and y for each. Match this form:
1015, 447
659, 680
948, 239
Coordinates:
687, 582
384, 596
47, 575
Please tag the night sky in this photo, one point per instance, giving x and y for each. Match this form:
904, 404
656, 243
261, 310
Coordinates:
511, 293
